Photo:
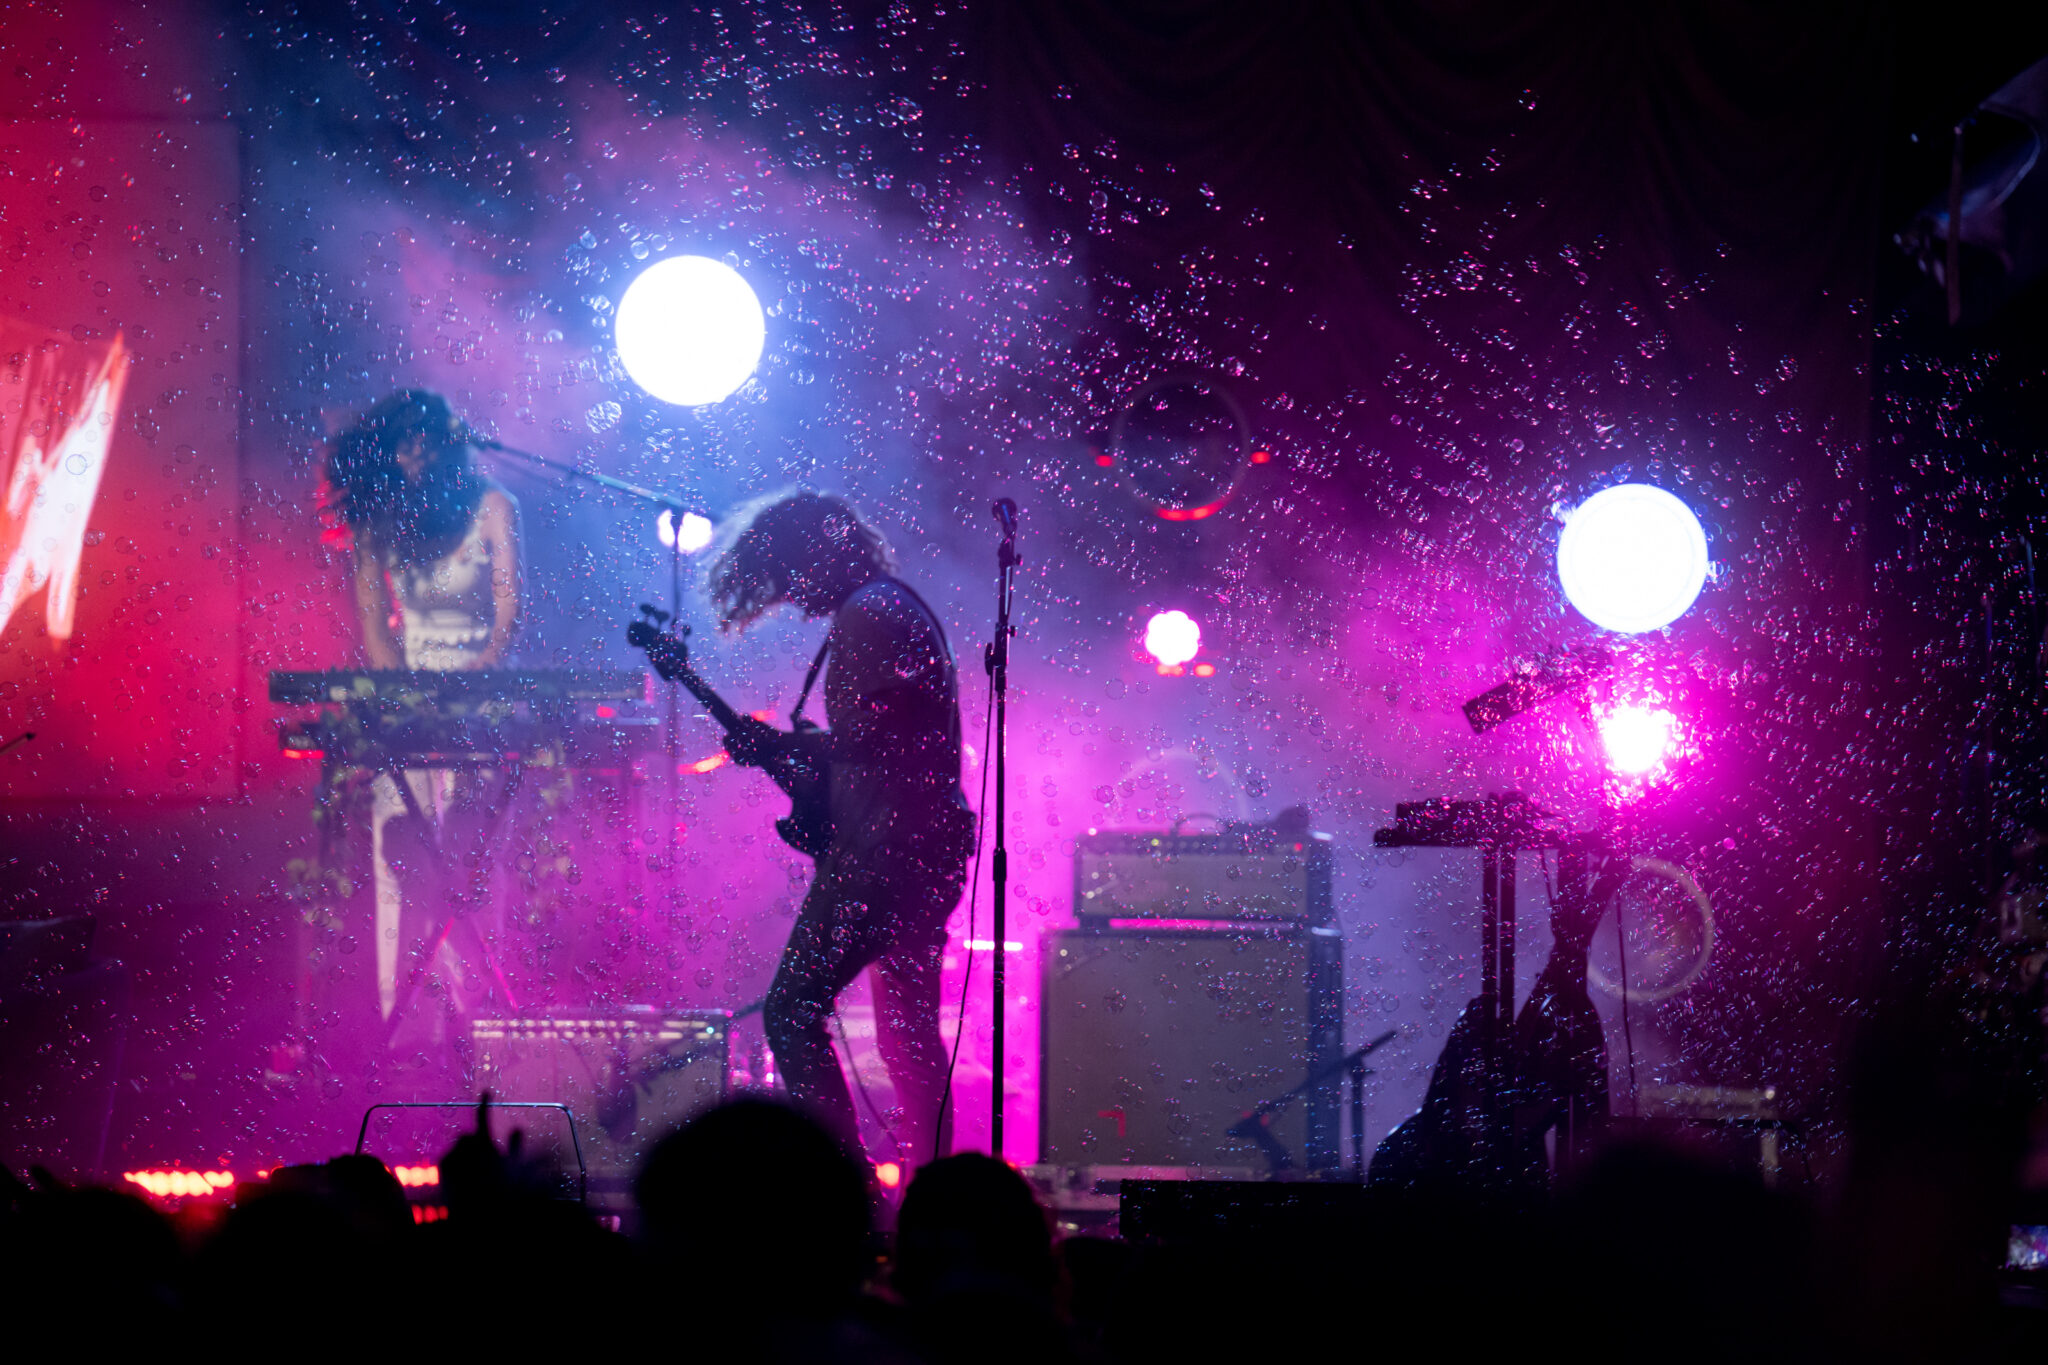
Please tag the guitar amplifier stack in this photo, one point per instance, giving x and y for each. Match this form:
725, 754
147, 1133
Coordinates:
1204, 978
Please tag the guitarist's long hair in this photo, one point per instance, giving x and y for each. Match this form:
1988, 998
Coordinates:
764, 540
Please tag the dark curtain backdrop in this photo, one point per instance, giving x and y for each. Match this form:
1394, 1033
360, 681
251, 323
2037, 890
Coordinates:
1688, 135
1470, 258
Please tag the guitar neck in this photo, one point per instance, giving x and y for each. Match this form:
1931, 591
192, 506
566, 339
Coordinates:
720, 709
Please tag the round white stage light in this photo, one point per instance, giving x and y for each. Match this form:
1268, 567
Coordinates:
1173, 638
690, 330
697, 531
1632, 558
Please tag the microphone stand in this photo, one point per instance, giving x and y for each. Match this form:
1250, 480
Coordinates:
675, 508
996, 658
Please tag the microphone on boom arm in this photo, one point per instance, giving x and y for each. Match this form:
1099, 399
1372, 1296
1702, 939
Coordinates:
1006, 512
477, 440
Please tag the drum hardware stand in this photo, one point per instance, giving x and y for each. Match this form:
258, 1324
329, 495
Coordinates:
996, 659
1498, 827
1254, 1126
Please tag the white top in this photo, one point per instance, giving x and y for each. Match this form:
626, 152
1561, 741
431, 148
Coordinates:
446, 606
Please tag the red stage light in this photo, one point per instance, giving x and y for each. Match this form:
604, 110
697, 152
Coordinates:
1103, 459
1205, 670
889, 1174
1207, 509
417, 1177
1262, 457
605, 713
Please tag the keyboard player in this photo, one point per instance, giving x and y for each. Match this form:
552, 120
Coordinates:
435, 549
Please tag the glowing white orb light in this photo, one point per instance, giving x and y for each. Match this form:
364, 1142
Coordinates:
690, 330
1637, 739
1632, 558
696, 531
1173, 638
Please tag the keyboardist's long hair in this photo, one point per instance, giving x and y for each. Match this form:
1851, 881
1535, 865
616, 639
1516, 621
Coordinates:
763, 541
364, 491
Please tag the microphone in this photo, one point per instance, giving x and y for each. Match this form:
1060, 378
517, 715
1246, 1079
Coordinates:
1006, 512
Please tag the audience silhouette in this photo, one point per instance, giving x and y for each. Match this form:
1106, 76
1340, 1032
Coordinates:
756, 1237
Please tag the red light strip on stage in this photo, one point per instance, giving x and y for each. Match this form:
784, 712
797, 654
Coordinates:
181, 1184
174, 1183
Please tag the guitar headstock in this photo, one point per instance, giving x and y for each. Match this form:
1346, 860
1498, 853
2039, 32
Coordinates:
667, 650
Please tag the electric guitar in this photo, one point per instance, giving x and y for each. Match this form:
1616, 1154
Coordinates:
800, 770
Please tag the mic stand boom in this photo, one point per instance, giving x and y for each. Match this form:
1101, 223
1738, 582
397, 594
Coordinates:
996, 658
676, 509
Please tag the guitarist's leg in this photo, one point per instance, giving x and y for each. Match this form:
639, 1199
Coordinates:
906, 987
833, 939
925, 874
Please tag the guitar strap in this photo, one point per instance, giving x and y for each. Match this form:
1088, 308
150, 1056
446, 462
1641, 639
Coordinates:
796, 713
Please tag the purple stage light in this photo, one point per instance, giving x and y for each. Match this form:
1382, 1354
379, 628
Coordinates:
1632, 558
1638, 739
1173, 638
690, 330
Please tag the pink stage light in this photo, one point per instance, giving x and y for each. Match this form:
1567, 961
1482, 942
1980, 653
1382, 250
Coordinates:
1637, 738
1173, 638
889, 1174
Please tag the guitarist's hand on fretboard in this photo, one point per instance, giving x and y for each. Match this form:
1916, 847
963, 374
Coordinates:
798, 762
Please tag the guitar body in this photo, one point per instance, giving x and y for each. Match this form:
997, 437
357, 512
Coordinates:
803, 773
808, 826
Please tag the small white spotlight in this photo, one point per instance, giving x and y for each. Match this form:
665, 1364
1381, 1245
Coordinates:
1632, 558
690, 330
1173, 638
696, 531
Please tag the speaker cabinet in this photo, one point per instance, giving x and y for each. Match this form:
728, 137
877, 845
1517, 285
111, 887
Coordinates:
1154, 1044
629, 1079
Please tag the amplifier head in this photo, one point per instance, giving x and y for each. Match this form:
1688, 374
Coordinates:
1238, 875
